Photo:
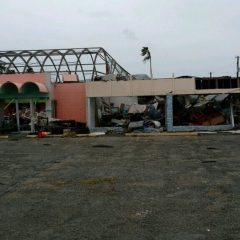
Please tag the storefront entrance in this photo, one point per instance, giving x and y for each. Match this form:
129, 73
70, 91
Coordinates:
20, 105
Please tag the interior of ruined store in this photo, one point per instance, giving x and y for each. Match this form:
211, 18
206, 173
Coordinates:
205, 110
131, 113
148, 112
201, 110
9, 123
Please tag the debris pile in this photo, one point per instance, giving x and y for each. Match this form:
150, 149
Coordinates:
199, 110
67, 127
146, 114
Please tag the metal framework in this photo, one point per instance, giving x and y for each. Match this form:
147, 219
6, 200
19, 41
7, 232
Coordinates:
87, 63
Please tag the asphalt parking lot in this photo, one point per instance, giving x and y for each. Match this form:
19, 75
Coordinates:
120, 188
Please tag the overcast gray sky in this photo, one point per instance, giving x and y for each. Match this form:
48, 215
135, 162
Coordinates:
186, 37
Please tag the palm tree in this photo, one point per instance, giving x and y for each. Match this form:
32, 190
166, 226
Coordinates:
147, 56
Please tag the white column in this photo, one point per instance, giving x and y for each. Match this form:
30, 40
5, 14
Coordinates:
232, 115
169, 112
49, 108
88, 106
17, 115
91, 112
32, 115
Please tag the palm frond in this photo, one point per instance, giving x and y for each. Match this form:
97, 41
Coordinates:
144, 51
146, 54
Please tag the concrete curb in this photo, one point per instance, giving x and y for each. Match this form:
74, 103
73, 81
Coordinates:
155, 134
187, 134
95, 134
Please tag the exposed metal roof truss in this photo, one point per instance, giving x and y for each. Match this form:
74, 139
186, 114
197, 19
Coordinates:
87, 63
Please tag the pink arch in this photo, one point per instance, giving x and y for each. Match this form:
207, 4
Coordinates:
17, 85
41, 87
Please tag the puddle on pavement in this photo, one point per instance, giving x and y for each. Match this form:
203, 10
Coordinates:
102, 146
209, 161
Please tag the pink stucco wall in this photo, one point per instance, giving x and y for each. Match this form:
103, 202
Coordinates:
70, 101
22, 78
19, 80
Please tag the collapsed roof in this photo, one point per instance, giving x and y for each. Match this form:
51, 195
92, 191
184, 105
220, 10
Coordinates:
87, 63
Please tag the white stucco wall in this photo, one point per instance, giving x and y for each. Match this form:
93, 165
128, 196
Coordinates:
161, 86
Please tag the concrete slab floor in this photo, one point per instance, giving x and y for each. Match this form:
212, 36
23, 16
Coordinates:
120, 188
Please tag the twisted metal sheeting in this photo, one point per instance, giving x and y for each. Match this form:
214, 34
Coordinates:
87, 63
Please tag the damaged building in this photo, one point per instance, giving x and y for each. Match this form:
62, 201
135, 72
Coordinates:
79, 88
171, 104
